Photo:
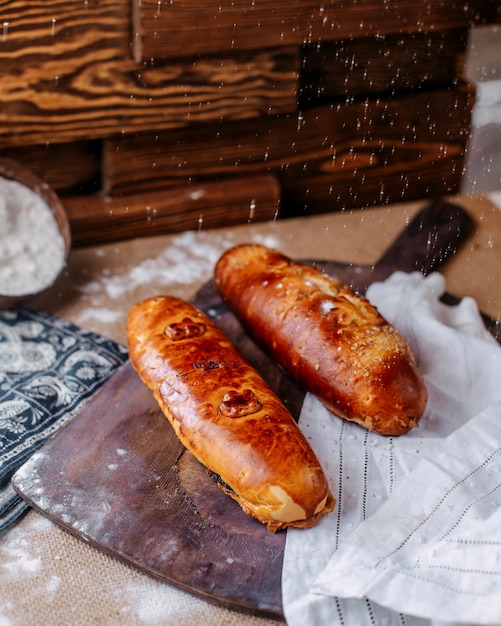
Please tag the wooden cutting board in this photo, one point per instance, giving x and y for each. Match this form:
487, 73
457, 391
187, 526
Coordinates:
117, 477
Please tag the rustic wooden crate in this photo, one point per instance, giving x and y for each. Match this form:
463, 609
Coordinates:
106, 98
173, 29
101, 219
69, 168
320, 106
392, 64
331, 157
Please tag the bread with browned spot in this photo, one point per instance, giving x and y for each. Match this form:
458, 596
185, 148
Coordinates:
226, 415
333, 341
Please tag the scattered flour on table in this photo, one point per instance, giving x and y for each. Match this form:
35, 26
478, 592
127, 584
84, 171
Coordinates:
189, 259
53, 584
147, 602
4, 621
31, 247
18, 552
21, 561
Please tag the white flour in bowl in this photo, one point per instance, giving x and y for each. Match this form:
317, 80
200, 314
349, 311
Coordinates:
31, 247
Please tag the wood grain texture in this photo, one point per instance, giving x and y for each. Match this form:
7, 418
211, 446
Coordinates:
173, 29
391, 64
100, 219
95, 96
60, 31
326, 158
406, 148
55, 56
67, 167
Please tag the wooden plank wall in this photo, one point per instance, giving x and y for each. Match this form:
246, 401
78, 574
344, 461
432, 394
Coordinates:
151, 116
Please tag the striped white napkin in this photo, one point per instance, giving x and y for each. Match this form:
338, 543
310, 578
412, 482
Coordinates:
415, 538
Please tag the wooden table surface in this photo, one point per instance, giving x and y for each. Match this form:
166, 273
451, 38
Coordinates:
48, 576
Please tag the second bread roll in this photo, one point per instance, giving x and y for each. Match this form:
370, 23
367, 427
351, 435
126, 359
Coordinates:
332, 341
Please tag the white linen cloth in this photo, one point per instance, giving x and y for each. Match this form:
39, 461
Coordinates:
415, 538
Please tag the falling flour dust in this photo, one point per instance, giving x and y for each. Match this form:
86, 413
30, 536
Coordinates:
31, 247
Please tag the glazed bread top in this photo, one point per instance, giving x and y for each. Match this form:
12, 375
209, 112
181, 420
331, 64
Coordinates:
225, 414
331, 340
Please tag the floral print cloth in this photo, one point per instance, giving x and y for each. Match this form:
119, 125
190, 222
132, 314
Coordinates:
48, 369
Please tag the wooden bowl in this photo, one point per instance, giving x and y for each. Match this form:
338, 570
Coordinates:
12, 170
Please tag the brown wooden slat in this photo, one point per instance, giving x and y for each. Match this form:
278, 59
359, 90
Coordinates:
67, 168
407, 148
198, 152
48, 54
106, 97
394, 63
373, 175
349, 155
49, 37
190, 27
99, 219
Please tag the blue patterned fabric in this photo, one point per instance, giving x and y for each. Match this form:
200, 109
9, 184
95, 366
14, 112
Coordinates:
48, 369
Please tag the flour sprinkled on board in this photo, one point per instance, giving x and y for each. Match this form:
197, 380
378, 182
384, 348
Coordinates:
32, 249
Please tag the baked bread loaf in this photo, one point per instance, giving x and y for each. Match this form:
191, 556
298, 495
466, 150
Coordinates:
332, 341
226, 415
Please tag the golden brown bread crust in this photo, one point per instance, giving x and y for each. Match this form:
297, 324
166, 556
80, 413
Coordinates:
226, 415
331, 340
